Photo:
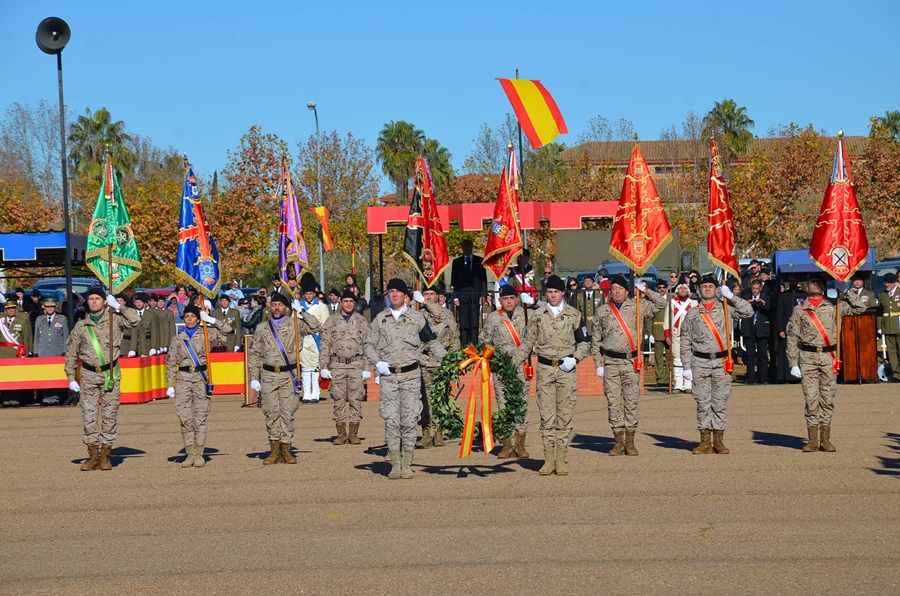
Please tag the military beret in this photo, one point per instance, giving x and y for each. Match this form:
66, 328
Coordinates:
890, 278
347, 294
11, 304
554, 282
619, 280
858, 275
816, 277
508, 290
48, 302
225, 297
193, 310
36, 292
398, 284
142, 296
96, 291
334, 292
708, 279
279, 297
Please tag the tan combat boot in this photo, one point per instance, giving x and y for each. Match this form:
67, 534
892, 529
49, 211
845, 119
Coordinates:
396, 465
352, 438
619, 447
813, 444
549, 462
199, 462
425, 441
105, 464
520, 445
561, 452
406, 471
705, 445
508, 450
341, 437
630, 449
825, 439
286, 455
275, 455
93, 459
718, 445
189, 458
438, 439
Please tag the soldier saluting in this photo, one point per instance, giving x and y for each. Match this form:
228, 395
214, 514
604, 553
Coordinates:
51, 332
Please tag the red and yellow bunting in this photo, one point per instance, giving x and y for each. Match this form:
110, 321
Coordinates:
482, 365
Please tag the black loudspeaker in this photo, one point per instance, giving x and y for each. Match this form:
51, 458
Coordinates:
687, 260
52, 35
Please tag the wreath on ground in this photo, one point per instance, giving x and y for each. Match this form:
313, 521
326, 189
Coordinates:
446, 412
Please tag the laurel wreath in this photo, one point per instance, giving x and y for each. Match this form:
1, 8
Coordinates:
447, 414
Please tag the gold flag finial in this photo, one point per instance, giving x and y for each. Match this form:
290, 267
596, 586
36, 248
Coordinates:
841, 133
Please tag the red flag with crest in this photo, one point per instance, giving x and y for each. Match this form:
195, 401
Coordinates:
504, 242
721, 240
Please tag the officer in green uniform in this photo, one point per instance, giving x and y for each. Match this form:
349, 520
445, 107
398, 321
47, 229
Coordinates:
226, 312
889, 304
655, 333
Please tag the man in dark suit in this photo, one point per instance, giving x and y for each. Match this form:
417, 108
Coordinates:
469, 282
784, 307
755, 333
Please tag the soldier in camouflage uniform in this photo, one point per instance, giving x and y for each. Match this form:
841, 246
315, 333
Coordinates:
394, 345
342, 360
100, 374
276, 379
655, 332
614, 357
558, 336
498, 335
889, 322
812, 357
702, 357
444, 326
187, 380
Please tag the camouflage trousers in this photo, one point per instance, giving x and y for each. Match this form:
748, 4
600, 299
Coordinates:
347, 393
622, 387
501, 400
819, 387
191, 407
557, 394
401, 404
99, 409
427, 419
279, 403
711, 390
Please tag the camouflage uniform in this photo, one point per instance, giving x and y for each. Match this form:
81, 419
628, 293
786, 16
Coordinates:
400, 343
498, 337
191, 400
711, 384
342, 354
99, 421
278, 398
444, 326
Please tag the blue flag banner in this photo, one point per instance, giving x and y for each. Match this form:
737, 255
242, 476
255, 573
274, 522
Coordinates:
198, 258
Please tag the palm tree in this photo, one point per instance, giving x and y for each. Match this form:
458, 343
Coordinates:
438, 157
730, 124
399, 145
887, 125
91, 136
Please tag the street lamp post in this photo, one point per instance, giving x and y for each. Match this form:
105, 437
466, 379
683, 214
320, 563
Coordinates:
312, 106
52, 36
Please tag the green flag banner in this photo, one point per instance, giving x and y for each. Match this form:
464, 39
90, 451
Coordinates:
111, 226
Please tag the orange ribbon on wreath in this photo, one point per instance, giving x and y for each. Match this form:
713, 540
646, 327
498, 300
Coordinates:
481, 362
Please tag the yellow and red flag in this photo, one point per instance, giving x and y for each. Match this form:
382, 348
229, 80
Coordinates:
721, 240
641, 230
322, 216
504, 242
536, 110
424, 243
839, 243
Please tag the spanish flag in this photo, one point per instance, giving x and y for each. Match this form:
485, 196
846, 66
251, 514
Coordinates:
322, 216
540, 119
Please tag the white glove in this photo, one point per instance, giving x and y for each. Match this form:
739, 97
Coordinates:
640, 285
153, 352
688, 375
651, 340
383, 368
111, 300
170, 392
418, 297
879, 332
207, 318
795, 372
526, 298
237, 348
255, 386
378, 380
164, 350
132, 354
325, 373
568, 363
297, 306
367, 374
726, 293
74, 386
600, 371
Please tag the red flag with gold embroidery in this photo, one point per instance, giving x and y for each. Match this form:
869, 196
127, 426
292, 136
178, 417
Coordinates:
839, 243
424, 243
641, 230
504, 242
720, 241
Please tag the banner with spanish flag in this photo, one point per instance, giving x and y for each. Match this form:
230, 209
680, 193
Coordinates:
720, 241
424, 243
538, 115
641, 229
322, 216
839, 243
504, 242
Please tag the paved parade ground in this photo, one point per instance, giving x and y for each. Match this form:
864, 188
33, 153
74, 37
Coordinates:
766, 519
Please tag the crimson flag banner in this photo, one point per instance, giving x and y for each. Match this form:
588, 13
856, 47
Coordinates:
641, 230
721, 240
504, 242
839, 243
424, 244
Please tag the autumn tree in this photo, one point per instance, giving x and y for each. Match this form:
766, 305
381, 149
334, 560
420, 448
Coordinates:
877, 178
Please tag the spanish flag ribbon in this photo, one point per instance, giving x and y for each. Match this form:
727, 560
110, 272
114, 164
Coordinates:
535, 109
322, 216
482, 363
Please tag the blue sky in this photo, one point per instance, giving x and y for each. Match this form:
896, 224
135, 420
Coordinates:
197, 75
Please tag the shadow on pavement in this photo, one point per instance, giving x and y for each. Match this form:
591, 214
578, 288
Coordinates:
592, 443
265, 454
890, 466
668, 442
207, 452
777, 440
382, 468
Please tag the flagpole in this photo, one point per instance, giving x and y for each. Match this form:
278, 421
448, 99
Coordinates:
727, 320
109, 259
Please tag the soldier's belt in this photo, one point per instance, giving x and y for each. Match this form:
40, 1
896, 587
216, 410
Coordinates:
147, 336
551, 361
622, 355
404, 369
126, 336
660, 323
192, 369
817, 349
339, 360
712, 356
103, 368
280, 368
